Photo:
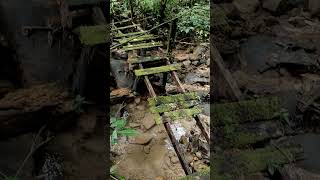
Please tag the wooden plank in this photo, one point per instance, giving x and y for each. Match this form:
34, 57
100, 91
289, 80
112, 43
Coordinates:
173, 106
156, 70
146, 59
129, 34
246, 111
124, 27
173, 98
142, 46
139, 38
182, 113
224, 84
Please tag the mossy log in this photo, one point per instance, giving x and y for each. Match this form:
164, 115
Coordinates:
25, 110
146, 59
232, 165
235, 136
182, 113
129, 34
156, 70
246, 111
156, 101
138, 38
142, 46
173, 106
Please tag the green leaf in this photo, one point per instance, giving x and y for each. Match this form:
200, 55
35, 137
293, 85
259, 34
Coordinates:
128, 132
119, 124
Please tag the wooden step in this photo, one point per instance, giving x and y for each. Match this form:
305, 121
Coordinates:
146, 59
182, 113
173, 106
156, 70
159, 100
129, 34
125, 27
139, 38
93, 35
142, 46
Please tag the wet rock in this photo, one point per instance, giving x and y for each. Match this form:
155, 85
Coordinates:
137, 100
246, 6
174, 160
142, 139
199, 52
141, 107
199, 155
189, 158
195, 63
183, 140
314, 7
192, 78
186, 63
147, 149
148, 121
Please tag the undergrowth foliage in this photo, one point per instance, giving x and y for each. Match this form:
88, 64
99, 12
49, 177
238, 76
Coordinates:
119, 129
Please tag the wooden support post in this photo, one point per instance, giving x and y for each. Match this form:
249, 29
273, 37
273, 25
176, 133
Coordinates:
172, 37
164, 80
148, 84
131, 8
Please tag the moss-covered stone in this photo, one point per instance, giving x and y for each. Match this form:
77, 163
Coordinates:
93, 35
156, 70
232, 165
173, 106
246, 111
156, 101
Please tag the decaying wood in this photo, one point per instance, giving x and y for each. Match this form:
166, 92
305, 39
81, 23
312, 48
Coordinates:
27, 109
224, 84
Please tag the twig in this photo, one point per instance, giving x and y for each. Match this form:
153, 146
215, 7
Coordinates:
33, 148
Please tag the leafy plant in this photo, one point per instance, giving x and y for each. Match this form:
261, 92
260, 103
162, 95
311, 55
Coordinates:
118, 126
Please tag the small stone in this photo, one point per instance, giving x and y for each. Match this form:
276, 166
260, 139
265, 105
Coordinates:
199, 155
148, 121
141, 107
186, 63
189, 158
195, 62
183, 140
137, 100
142, 139
160, 178
134, 125
174, 160
195, 159
146, 149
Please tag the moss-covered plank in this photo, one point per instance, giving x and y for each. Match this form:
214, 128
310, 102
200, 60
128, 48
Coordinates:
129, 34
83, 2
146, 59
246, 111
124, 27
93, 35
142, 46
156, 70
146, 37
182, 113
156, 101
235, 136
232, 165
173, 106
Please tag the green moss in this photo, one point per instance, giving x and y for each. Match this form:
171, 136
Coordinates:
129, 34
142, 46
246, 162
93, 35
246, 111
173, 106
139, 38
197, 175
156, 70
183, 113
156, 101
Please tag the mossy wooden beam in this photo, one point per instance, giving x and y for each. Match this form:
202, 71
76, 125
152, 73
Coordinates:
139, 38
83, 2
236, 136
246, 111
182, 113
142, 46
146, 59
125, 27
156, 70
129, 34
232, 165
155, 101
173, 106
93, 35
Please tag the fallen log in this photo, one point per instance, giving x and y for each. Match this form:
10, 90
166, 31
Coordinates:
25, 110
